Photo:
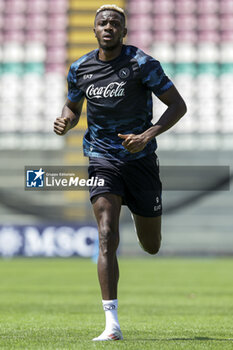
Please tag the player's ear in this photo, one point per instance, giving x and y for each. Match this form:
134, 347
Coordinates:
125, 32
94, 31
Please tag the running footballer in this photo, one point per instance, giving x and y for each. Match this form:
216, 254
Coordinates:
118, 81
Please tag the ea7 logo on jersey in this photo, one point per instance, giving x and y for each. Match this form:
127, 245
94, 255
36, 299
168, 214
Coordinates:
87, 76
111, 90
124, 73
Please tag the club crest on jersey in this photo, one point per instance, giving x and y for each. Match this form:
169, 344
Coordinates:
113, 89
124, 73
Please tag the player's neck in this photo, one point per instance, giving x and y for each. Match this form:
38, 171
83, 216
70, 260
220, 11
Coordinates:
109, 55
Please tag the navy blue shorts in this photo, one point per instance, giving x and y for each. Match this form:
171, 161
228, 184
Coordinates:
136, 181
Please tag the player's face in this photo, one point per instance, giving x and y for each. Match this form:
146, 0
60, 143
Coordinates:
109, 29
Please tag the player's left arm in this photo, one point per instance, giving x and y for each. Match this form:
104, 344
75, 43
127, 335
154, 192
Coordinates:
176, 108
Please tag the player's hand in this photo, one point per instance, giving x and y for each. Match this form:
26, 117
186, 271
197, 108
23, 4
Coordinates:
61, 126
133, 143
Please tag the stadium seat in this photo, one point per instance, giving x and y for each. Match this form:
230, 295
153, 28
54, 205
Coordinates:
226, 52
14, 22
163, 6
226, 22
35, 52
57, 22
90, 5
9, 122
140, 21
14, 6
141, 38
36, 36
56, 55
139, 7
81, 20
183, 7
36, 22
82, 37
163, 22
226, 36
57, 38
226, 7
186, 36
163, 52
207, 52
207, 22
14, 36
209, 36
55, 68
185, 22
164, 36
185, 52
12, 52
37, 6
57, 6
207, 6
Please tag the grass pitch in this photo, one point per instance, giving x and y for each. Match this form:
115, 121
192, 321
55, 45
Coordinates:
163, 304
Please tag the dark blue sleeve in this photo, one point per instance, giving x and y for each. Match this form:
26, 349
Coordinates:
153, 76
74, 93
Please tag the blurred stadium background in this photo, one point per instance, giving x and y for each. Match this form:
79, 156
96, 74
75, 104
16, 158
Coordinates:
39, 39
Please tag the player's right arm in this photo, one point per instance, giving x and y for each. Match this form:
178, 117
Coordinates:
70, 116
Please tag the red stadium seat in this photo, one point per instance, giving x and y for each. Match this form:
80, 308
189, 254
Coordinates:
141, 38
14, 6
14, 35
209, 36
36, 22
14, 22
56, 55
227, 36
186, 36
226, 6
207, 22
186, 22
139, 7
37, 6
57, 6
36, 36
164, 36
57, 22
140, 21
184, 7
226, 22
57, 38
163, 6
163, 22
207, 6
55, 68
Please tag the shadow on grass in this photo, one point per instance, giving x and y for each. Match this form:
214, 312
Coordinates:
188, 339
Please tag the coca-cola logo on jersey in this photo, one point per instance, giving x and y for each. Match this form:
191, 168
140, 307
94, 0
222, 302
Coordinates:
111, 90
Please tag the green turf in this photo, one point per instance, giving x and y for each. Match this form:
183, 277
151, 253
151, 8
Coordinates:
163, 304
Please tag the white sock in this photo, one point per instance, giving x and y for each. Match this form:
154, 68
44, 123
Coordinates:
110, 308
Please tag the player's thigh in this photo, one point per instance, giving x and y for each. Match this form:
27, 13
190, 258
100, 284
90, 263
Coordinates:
148, 229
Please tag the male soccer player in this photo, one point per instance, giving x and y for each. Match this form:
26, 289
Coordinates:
118, 82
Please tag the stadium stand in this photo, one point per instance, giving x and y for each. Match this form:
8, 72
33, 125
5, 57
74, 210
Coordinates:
193, 41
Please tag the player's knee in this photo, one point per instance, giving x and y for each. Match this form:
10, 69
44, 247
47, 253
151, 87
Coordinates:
154, 247
108, 240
